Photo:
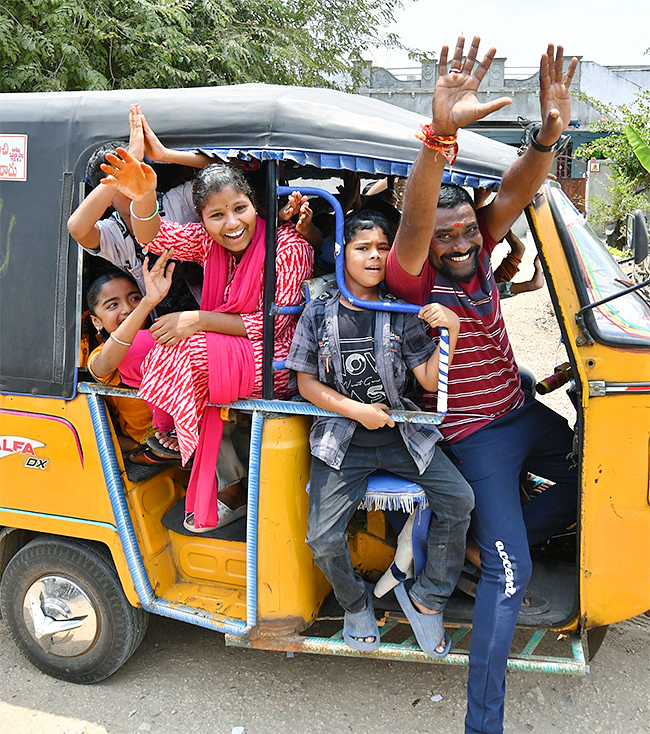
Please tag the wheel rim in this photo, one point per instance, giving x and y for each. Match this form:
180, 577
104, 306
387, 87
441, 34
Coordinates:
60, 616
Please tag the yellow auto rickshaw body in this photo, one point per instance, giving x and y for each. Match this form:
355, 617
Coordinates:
66, 491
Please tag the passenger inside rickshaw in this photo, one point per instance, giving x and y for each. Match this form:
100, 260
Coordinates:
237, 290
102, 225
374, 351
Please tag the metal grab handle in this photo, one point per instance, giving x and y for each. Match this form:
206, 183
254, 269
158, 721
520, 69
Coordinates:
443, 374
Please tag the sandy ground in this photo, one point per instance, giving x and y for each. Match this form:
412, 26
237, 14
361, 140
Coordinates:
184, 679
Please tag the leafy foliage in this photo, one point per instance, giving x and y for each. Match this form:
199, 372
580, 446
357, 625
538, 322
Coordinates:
639, 146
628, 174
53, 45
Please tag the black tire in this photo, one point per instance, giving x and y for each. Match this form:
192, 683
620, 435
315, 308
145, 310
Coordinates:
72, 577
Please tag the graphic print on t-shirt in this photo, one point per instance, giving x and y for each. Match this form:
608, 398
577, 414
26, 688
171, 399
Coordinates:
358, 364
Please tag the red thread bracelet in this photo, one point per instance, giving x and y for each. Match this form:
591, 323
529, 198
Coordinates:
447, 145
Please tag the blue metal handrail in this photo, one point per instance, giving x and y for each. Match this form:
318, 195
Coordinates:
443, 376
146, 594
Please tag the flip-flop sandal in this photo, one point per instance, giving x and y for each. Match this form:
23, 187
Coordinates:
154, 444
226, 516
532, 605
146, 457
429, 629
359, 625
188, 524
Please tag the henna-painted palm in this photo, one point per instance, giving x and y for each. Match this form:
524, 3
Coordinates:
128, 175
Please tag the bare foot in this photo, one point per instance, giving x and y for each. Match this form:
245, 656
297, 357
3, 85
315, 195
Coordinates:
168, 441
127, 444
233, 496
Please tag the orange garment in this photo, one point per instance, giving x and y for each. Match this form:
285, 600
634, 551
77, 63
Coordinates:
508, 268
133, 415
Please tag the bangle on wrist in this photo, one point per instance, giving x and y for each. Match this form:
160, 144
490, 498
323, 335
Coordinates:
143, 219
536, 145
115, 339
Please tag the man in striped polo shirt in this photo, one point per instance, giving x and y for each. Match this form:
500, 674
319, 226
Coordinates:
492, 429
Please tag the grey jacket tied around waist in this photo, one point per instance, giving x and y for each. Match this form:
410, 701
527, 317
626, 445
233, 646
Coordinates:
331, 436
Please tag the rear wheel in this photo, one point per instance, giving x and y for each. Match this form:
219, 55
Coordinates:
65, 609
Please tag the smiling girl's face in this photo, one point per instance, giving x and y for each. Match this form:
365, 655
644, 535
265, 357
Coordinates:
117, 299
229, 218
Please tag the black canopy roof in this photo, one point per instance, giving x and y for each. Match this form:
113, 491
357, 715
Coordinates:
38, 260
250, 117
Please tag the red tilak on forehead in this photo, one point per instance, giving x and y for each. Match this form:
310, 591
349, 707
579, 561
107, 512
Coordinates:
456, 224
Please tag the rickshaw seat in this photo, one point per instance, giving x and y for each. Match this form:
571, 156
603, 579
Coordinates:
399, 498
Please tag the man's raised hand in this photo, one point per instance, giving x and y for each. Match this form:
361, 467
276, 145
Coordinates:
554, 96
455, 100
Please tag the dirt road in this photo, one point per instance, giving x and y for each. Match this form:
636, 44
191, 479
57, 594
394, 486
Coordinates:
183, 679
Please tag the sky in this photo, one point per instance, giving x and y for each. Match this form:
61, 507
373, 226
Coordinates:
610, 32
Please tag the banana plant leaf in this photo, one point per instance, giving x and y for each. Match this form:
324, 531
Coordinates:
639, 146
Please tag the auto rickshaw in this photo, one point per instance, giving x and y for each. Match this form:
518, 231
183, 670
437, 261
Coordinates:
89, 547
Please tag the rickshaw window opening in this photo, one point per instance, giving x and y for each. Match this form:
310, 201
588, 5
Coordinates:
575, 236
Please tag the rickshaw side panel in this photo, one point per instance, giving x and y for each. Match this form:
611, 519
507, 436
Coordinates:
54, 467
38, 266
614, 523
290, 588
615, 552
51, 478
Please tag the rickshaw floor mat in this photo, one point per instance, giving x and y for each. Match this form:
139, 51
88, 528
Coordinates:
173, 521
140, 472
554, 581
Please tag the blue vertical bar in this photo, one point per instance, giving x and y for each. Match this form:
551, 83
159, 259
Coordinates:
251, 518
269, 276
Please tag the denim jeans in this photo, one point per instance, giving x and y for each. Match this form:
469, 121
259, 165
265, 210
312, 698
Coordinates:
535, 439
335, 495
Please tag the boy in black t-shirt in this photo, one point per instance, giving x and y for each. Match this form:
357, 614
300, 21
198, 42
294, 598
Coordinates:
355, 362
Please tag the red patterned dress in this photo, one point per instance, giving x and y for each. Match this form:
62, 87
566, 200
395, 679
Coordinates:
178, 383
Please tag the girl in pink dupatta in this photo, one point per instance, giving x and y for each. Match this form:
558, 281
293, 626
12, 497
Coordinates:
215, 354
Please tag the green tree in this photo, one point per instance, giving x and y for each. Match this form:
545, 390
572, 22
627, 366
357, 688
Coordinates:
628, 174
52, 45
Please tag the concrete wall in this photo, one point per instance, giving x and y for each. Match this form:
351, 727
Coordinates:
617, 84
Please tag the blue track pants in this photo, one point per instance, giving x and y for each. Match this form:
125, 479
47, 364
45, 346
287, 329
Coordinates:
539, 440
